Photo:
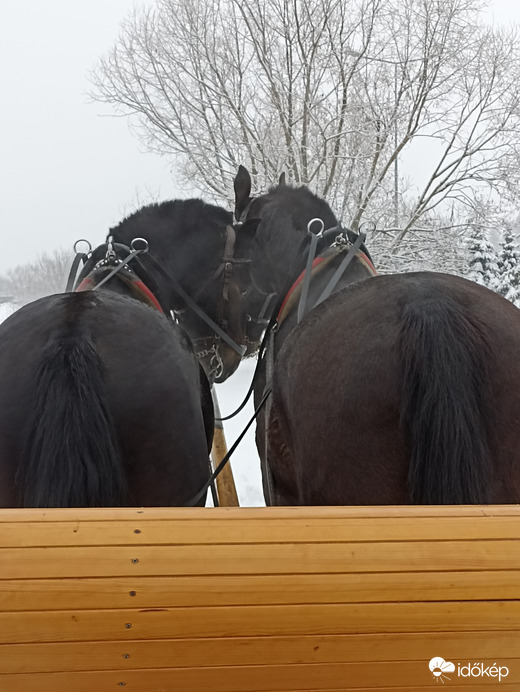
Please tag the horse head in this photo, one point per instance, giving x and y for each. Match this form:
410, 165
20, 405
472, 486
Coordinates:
191, 267
273, 234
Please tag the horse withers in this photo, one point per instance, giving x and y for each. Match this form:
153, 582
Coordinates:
395, 389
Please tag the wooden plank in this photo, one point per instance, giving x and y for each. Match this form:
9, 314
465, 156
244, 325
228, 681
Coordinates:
218, 531
264, 513
294, 678
26, 563
239, 651
249, 621
230, 599
283, 589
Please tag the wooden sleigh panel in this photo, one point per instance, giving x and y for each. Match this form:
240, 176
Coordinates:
259, 600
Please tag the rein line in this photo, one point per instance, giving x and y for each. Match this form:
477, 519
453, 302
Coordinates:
211, 479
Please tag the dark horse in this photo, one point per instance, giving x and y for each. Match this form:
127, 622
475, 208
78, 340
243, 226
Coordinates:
192, 268
102, 399
396, 389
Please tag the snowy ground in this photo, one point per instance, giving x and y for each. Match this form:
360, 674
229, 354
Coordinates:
245, 462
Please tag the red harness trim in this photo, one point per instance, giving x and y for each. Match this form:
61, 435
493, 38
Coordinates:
144, 289
295, 285
88, 284
365, 258
316, 262
85, 285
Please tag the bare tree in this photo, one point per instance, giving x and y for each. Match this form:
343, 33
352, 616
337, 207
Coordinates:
337, 94
47, 275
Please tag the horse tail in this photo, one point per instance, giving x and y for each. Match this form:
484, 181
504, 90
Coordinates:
444, 363
71, 456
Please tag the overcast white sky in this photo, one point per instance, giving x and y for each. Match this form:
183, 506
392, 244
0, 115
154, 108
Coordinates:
66, 172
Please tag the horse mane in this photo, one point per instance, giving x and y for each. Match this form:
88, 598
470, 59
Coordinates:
281, 236
301, 204
188, 215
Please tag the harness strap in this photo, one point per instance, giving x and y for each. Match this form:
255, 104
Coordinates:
117, 268
129, 278
203, 490
341, 269
269, 369
79, 256
307, 276
318, 264
198, 311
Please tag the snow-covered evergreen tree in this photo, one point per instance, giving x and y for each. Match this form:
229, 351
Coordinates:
509, 267
482, 259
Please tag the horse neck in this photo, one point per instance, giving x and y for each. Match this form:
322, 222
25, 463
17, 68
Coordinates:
186, 238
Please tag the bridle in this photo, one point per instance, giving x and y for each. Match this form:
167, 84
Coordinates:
208, 346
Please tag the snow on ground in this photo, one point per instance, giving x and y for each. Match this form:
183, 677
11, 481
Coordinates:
244, 462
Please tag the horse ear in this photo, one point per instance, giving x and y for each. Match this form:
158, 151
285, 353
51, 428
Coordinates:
242, 184
281, 180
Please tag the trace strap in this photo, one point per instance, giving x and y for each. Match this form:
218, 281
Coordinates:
211, 479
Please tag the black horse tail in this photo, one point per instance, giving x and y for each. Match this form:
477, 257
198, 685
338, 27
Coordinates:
444, 363
71, 455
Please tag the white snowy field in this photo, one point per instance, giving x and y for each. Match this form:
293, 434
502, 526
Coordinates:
245, 462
